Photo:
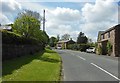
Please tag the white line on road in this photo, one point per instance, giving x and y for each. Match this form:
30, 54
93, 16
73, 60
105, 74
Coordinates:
105, 71
82, 58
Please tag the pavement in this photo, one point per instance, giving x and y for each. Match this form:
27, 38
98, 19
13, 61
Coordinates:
81, 66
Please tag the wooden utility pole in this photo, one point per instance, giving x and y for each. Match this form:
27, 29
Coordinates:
43, 20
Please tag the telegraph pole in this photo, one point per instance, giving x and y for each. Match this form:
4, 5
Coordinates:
43, 20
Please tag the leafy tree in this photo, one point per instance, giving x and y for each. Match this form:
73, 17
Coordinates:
52, 41
26, 25
30, 13
58, 38
82, 38
109, 47
66, 37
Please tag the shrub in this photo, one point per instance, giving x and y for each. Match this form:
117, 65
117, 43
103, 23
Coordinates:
12, 38
48, 47
81, 47
109, 48
99, 50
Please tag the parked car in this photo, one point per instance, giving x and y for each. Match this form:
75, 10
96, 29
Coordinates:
91, 50
59, 47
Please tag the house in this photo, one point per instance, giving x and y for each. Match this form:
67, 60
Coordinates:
64, 43
6, 27
113, 36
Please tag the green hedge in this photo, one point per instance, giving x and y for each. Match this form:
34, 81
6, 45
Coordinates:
12, 38
81, 47
14, 45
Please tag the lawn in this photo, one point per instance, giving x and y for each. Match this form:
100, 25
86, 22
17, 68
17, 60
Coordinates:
43, 66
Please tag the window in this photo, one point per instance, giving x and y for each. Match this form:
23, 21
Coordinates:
102, 36
108, 34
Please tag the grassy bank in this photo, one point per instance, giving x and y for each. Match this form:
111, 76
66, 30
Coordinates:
43, 66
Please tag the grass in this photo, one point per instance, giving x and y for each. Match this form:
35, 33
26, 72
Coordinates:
43, 66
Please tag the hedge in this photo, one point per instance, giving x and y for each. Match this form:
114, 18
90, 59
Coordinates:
14, 45
12, 38
81, 47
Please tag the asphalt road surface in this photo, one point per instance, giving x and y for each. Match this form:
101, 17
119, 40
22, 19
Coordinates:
81, 66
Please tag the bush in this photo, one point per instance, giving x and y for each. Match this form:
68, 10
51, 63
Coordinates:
48, 47
99, 49
109, 48
81, 47
12, 38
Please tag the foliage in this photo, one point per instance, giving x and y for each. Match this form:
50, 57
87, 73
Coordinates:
99, 49
66, 37
26, 26
30, 13
13, 38
52, 41
81, 47
109, 47
82, 39
47, 47
58, 38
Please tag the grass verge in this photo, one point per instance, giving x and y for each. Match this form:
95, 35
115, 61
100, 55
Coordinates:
43, 66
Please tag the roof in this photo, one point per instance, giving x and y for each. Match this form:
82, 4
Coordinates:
64, 41
5, 27
114, 27
99, 35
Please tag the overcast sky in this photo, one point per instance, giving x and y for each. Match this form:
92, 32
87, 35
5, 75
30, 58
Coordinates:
88, 16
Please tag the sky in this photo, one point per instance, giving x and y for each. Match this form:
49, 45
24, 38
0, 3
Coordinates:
66, 16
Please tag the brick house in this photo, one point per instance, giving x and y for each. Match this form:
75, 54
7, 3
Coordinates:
113, 36
64, 43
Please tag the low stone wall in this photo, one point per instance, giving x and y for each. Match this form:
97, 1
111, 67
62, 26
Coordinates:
13, 51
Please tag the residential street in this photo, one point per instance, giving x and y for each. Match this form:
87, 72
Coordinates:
80, 66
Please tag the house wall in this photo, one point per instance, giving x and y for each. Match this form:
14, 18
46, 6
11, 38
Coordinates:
111, 39
117, 41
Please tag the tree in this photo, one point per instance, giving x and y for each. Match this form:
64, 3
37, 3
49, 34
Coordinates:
26, 25
30, 13
52, 41
82, 39
58, 38
66, 37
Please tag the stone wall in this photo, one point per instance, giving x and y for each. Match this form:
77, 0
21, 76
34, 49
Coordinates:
13, 51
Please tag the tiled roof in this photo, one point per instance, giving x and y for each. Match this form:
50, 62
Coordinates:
116, 26
5, 27
63, 41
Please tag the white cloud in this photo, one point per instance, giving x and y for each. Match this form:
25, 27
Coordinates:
10, 6
90, 19
4, 19
9, 9
103, 10
99, 16
61, 21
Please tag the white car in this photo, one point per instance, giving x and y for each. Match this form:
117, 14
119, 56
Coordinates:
59, 47
91, 50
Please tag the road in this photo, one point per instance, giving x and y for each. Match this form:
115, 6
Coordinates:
81, 66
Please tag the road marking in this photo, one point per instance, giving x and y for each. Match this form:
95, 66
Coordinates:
105, 71
82, 58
